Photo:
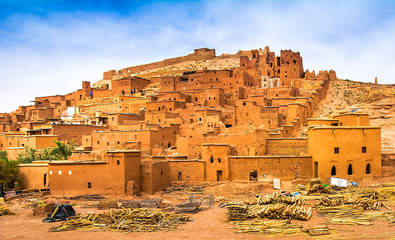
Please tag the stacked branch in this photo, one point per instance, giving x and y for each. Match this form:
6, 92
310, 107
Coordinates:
125, 220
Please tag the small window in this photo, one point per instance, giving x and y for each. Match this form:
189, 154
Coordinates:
244, 103
211, 160
118, 162
118, 142
336, 150
349, 171
219, 160
108, 143
161, 172
363, 149
89, 185
368, 168
333, 171
98, 142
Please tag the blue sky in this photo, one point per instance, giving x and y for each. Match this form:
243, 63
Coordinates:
50, 47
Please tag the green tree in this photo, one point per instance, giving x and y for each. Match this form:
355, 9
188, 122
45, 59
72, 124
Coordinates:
9, 172
62, 149
28, 156
46, 154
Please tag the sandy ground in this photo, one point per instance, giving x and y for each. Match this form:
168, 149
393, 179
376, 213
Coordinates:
209, 224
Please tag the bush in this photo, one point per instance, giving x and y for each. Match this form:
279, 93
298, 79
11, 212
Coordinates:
9, 172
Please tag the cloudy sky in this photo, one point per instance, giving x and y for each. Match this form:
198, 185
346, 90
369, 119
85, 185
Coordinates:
48, 47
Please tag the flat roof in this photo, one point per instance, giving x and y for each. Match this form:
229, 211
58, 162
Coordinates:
270, 156
32, 165
350, 113
123, 150
286, 138
322, 119
316, 127
216, 144
68, 162
186, 160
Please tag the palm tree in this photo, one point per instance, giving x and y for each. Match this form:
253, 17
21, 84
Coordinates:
62, 149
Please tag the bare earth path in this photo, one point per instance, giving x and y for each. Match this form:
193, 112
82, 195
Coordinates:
210, 224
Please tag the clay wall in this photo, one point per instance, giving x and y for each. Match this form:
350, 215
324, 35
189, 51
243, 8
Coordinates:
187, 170
199, 54
127, 106
40, 141
95, 177
124, 86
353, 119
174, 95
322, 122
145, 139
216, 161
291, 66
35, 176
164, 106
69, 132
286, 147
155, 176
114, 120
284, 168
109, 74
249, 143
350, 143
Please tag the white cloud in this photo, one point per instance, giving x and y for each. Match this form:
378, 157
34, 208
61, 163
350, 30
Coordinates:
52, 54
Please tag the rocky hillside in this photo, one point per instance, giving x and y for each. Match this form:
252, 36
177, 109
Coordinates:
377, 100
178, 69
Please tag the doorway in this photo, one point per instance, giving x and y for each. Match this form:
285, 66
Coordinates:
316, 169
219, 176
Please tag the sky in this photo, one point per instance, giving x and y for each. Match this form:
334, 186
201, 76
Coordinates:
49, 47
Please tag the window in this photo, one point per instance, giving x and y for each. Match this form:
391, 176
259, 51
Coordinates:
118, 162
363, 149
118, 142
244, 103
349, 171
161, 172
336, 150
253, 175
333, 171
368, 168
89, 185
211, 160
98, 142
219, 160
108, 143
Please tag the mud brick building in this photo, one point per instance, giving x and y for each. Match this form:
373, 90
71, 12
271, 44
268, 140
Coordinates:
139, 129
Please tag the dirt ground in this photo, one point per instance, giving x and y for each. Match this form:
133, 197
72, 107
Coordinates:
209, 224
